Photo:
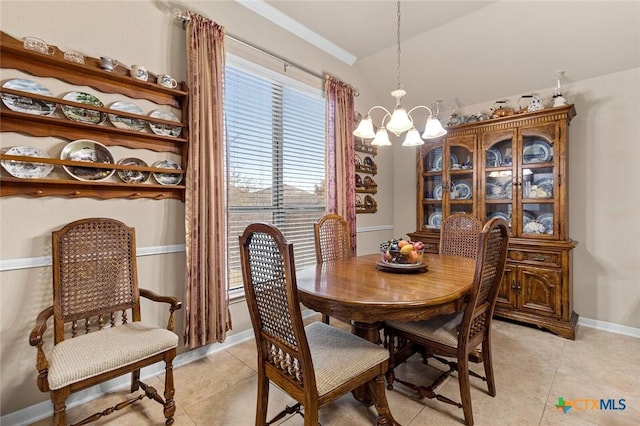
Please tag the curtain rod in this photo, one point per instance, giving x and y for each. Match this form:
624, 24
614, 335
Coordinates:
179, 15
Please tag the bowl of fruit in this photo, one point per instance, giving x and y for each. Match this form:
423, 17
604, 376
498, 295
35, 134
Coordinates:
401, 254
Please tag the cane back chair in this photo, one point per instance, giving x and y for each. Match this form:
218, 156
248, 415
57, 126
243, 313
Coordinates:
459, 235
333, 241
97, 329
457, 335
315, 364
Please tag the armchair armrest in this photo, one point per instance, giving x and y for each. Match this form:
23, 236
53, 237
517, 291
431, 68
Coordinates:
35, 339
173, 301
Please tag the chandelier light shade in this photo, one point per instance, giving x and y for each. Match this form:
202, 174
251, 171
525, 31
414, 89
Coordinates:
400, 121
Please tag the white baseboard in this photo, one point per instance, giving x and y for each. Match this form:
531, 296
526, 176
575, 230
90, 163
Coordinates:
610, 327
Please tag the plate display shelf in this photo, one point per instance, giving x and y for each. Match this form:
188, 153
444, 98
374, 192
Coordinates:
31, 63
366, 168
519, 168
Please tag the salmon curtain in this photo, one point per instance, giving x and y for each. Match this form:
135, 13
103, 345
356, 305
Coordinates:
340, 164
207, 317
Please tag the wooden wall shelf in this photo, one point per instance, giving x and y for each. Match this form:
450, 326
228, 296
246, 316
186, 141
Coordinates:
15, 56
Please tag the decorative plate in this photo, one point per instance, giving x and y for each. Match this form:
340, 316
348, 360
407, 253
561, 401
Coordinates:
127, 123
167, 178
464, 191
546, 184
91, 151
493, 190
493, 157
358, 180
501, 216
546, 220
23, 169
534, 227
527, 217
507, 189
368, 162
25, 104
401, 267
536, 152
357, 160
133, 176
164, 129
435, 219
437, 192
437, 163
83, 115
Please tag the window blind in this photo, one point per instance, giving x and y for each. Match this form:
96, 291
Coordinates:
275, 158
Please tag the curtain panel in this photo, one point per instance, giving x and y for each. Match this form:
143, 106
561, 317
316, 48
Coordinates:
207, 317
341, 190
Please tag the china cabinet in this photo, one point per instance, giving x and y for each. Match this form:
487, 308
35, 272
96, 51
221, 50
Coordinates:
87, 73
366, 169
512, 167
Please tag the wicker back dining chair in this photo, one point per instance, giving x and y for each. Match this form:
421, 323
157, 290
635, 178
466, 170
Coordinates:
97, 329
459, 235
333, 241
315, 364
457, 335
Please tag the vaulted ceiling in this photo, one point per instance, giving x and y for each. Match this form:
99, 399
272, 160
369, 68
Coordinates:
467, 52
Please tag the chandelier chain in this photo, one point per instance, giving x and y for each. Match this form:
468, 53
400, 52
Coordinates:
398, 47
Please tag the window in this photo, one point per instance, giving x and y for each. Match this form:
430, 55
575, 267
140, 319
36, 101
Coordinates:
275, 165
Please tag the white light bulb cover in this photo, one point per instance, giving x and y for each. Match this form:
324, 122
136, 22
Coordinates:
433, 129
412, 138
382, 138
400, 121
365, 129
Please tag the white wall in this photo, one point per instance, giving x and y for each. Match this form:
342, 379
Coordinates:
603, 198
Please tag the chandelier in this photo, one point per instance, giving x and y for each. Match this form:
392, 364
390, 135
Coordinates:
400, 121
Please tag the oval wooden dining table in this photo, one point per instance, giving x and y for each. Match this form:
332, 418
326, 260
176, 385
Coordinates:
356, 291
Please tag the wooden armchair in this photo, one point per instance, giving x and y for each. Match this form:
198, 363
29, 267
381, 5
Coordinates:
457, 335
97, 328
315, 364
333, 241
459, 235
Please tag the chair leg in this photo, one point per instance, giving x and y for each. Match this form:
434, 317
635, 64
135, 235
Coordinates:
465, 389
311, 412
263, 400
376, 388
487, 360
135, 379
325, 318
59, 397
169, 391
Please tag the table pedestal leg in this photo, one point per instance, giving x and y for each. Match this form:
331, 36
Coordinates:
370, 332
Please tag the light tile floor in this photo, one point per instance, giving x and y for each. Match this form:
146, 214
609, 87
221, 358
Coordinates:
532, 367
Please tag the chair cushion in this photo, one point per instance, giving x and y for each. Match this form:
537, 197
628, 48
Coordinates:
89, 355
442, 329
339, 356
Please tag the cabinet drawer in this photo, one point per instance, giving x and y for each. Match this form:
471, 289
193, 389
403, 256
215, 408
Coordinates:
537, 257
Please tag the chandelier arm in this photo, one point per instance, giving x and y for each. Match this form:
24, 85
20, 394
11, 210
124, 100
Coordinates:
387, 113
420, 106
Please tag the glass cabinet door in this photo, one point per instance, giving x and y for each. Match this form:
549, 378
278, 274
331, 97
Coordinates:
498, 183
461, 175
539, 184
433, 188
